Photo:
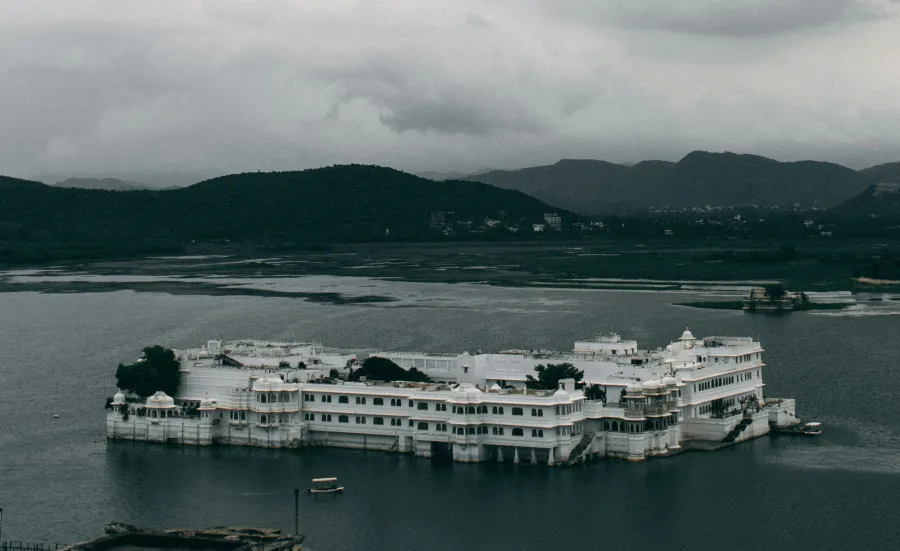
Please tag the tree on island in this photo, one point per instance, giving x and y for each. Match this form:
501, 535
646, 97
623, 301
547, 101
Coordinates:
774, 291
156, 370
383, 369
594, 392
549, 376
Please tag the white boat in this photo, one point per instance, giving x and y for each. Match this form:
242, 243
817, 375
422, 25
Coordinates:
325, 486
813, 428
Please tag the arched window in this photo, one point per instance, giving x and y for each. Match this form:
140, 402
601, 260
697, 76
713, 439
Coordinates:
378, 401
378, 420
533, 412
470, 409
500, 409
540, 413
517, 411
494, 410
423, 406
540, 433
343, 419
343, 400
517, 432
262, 419
262, 398
534, 433
615, 426
470, 430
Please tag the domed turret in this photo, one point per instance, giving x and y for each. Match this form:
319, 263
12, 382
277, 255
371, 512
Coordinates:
634, 388
472, 392
118, 398
160, 400
561, 393
669, 381
269, 384
651, 385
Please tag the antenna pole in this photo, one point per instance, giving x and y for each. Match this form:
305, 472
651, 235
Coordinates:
296, 510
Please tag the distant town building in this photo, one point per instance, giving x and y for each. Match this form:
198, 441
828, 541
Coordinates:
886, 188
760, 298
491, 223
669, 232
553, 220
537, 227
438, 219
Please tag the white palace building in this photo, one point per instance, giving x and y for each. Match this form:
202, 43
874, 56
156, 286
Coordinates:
694, 393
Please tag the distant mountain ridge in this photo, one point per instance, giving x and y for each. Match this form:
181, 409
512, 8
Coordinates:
109, 184
701, 178
887, 172
350, 203
439, 176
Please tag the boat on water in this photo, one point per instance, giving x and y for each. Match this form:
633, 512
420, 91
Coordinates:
325, 486
812, 428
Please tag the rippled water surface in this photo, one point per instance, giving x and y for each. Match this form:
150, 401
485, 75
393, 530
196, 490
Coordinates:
60, 481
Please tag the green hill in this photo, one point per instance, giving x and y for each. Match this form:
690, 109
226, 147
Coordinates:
328, 205
888, 172
879, 203
699, 179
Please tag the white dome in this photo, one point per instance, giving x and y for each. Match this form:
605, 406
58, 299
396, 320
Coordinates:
668, 380
160, 400
269, 384
119, 398
472, 392
652, 384
458, 392
634, 388
669, 348
687, 335
561, 393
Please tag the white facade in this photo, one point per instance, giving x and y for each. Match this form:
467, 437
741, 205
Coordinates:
694, 393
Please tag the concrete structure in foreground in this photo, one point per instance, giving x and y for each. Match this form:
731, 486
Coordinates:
635, 403
126, 537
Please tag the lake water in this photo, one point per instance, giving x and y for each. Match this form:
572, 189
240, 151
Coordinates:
60, 481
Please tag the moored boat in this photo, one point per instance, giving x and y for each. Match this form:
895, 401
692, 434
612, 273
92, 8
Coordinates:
812, 428
325, 486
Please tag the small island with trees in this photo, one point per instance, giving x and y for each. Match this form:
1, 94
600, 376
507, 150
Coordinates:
772, 297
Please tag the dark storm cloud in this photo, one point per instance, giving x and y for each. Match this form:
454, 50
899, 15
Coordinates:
407, 102
746, 18
108, 88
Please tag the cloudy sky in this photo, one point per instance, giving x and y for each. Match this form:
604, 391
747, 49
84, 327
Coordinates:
183, 88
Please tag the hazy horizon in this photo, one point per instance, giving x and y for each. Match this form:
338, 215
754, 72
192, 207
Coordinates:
175, 92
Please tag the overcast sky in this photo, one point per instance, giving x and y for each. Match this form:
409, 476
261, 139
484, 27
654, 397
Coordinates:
136, 89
